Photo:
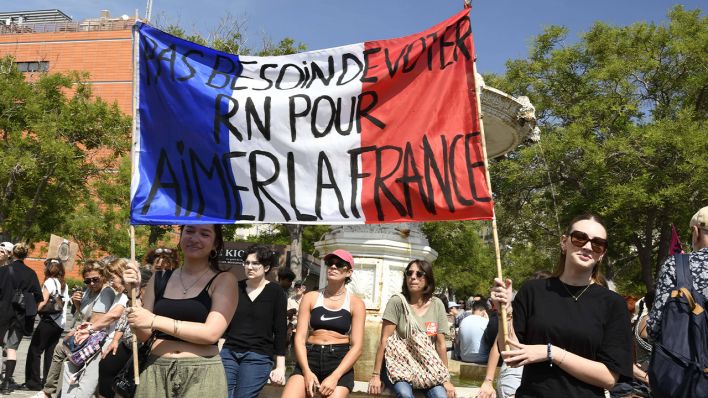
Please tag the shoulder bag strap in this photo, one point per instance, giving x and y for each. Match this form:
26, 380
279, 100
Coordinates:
412, 322
683, 271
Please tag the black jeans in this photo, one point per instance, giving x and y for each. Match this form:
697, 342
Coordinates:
44, 339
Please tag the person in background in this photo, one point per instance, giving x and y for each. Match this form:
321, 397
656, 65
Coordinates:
286, 276
569, 321
470, 334
294, 300
119, 349
429, 311
50, 327
188, 314
5, 253
160, 259
258, 330
82, 382
22, 278
329, 336
697, 262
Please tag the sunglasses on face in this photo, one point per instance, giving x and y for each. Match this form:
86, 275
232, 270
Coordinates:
580, 239
337, 262
90, 281
418, 274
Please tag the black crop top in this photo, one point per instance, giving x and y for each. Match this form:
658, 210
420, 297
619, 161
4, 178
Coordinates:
339, 320
193, 309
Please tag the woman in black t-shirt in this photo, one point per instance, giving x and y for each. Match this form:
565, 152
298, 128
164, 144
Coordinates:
571, 334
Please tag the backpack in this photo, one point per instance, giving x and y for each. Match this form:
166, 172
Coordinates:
679, 360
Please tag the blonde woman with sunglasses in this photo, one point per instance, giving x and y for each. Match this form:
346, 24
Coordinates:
570, 332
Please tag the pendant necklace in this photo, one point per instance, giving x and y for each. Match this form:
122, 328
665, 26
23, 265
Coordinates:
576, 298
186, 289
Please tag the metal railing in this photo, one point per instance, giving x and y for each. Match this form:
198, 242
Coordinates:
86, 26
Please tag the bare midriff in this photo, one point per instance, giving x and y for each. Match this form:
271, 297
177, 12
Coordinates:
327, 337
183, 349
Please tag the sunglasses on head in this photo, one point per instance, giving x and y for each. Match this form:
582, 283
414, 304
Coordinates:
337, 262
162, 250
418, 274
580, 239
89, 281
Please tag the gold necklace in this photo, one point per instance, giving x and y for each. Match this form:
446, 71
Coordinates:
574, 296
186, 289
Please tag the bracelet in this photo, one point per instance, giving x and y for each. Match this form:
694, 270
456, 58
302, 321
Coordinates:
565, 352
174, 327
488, 379
549, 355
375, 373
152, 323
178, 323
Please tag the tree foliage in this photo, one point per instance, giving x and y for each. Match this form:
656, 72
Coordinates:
466, 264
622, 115
54, 141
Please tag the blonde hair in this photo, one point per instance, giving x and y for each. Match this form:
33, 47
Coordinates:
597, 276
94, 265
20, 251
117, 266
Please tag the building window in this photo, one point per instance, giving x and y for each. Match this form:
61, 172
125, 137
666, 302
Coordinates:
35, 66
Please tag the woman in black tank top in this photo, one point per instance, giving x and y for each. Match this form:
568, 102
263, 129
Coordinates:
187, 311
327, 347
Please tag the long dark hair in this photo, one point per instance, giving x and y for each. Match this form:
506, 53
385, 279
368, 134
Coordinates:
429, 280
218, 245
560, 267
54, 268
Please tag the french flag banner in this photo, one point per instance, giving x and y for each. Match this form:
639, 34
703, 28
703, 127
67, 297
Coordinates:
377, 132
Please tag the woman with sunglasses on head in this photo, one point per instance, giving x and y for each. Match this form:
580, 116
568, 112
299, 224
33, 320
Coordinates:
258, 329
329, 335
50, 327
160, 259
571, 334
187, 312
430, 315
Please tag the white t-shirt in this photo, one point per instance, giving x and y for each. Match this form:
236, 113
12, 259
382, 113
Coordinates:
121, 299
53, 285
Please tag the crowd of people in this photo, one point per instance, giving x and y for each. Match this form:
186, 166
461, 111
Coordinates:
203, 333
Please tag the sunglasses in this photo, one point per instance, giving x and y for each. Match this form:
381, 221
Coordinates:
90, 281
418, 274
580, 239
337, 262
161, 250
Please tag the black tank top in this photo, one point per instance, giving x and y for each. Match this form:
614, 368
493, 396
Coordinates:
337, 320
193, 309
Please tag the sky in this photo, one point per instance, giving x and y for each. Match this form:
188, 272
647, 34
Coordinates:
502, 29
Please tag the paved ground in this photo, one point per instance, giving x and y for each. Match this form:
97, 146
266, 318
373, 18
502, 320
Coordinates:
20, 369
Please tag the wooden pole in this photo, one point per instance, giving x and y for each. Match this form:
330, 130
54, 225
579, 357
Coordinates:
133, 148
133, 294
495, 235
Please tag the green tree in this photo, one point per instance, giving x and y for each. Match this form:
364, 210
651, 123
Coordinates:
52, 145
465, 263
622, 115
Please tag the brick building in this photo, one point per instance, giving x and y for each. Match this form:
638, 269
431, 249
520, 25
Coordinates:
50, 41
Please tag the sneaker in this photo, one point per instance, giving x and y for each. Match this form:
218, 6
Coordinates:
5, 388
29, 387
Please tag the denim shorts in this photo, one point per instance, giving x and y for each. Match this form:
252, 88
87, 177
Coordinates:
324, 359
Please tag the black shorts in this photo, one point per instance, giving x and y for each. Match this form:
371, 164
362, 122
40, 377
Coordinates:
324, 359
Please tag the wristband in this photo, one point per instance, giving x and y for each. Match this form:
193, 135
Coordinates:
549, 355
152, 323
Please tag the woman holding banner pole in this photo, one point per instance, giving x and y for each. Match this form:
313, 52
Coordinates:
186, 314
571, 334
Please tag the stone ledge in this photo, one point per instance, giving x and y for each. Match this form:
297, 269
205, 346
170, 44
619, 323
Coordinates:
360, 391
